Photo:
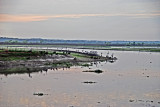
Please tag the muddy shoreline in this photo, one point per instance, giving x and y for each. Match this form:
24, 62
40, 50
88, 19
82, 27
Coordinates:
42, 63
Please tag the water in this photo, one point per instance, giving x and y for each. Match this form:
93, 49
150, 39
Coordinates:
131, 81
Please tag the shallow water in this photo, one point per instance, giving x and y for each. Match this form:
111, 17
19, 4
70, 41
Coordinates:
131, 81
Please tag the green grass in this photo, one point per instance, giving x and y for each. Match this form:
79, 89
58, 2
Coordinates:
10, 55
13, 58
79, 55
86, 65
20, 54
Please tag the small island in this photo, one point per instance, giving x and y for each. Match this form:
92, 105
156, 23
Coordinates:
19, 60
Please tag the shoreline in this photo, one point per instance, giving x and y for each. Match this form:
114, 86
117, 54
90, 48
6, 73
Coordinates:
46, 61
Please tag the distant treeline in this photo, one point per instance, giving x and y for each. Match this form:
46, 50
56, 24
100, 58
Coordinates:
39, 41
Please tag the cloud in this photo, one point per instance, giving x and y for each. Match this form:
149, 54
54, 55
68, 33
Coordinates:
21, 18
31, 18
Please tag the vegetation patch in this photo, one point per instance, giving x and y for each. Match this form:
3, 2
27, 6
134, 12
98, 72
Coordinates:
10, 55
135, 49
86, 65
17, 54
79, 55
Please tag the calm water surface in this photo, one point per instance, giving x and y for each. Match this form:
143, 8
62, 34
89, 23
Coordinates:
132, 81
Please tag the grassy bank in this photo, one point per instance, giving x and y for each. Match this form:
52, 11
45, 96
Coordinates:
118, 48
10, 54
136, 49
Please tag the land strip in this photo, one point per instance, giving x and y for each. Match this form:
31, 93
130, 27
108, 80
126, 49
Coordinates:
33, 60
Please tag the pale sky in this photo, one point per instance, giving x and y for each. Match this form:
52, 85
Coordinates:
81, 19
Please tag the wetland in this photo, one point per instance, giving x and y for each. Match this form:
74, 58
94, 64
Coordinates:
130, 81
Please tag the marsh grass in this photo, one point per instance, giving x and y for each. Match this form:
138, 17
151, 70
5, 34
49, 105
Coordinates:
136, 49
9, 55
86, 65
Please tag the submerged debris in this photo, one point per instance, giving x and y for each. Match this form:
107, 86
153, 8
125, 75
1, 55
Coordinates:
39, 94
149, 101
89, 82
131, 100
95, 71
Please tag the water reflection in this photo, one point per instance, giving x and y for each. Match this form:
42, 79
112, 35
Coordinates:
131, 81
26, 70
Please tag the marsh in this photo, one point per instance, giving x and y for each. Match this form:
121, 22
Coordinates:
132, 80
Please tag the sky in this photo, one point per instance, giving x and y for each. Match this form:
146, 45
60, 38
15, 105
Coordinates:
81, 19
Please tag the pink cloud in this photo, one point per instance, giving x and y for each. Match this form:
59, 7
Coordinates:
31, 18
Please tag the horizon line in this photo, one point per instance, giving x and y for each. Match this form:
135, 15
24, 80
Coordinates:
76, 39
